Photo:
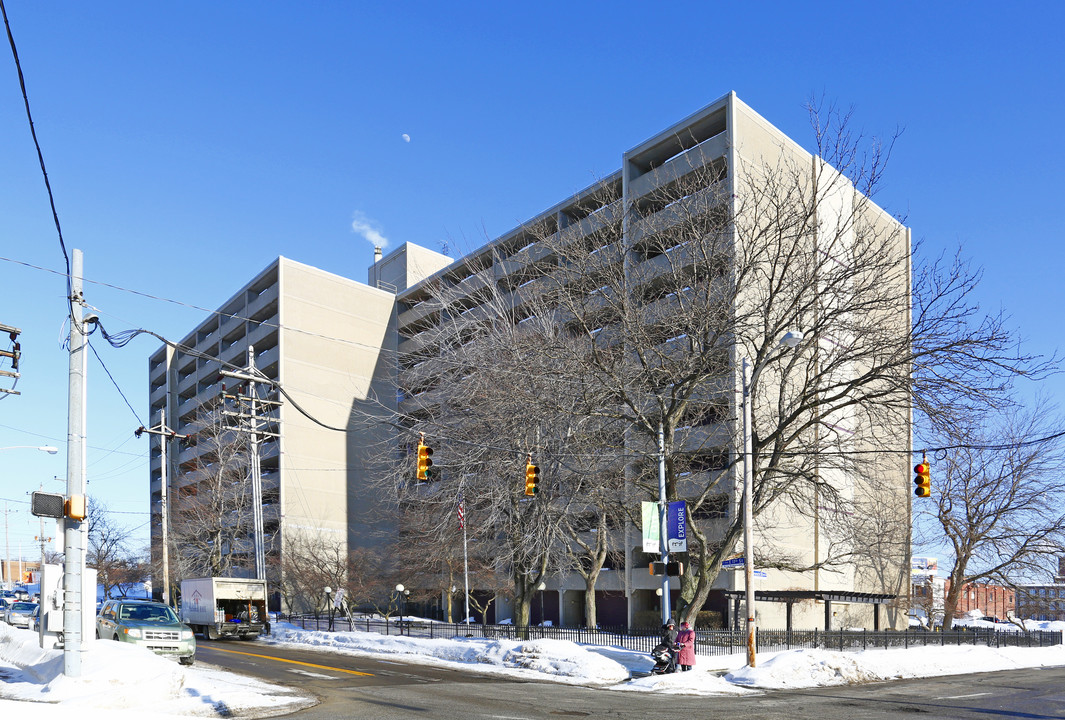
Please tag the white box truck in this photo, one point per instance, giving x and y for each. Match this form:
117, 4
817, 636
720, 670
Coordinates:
224, 607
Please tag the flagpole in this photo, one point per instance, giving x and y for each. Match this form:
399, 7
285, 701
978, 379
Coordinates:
465, 568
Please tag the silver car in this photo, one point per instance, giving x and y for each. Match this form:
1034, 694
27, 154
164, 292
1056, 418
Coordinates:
151, 625
18, 614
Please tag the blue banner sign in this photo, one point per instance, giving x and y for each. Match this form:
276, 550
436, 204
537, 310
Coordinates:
677, 527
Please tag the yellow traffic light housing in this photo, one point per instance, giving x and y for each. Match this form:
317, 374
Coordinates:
532, 478
923, 479
424, 460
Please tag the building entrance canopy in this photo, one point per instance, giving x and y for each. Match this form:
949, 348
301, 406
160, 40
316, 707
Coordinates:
826, 596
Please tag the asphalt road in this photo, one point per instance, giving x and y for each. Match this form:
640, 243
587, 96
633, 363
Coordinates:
356, 687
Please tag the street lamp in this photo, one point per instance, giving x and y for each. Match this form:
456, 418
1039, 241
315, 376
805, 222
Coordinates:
791, 339
43, 448
541, 587
329, 605
401, 597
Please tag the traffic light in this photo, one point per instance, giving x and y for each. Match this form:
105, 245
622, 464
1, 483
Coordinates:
425, 461
532, 478
923, 480
672, 569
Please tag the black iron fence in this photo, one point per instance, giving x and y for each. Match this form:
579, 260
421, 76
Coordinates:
708, 642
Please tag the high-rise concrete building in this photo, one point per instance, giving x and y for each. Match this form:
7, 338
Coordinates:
336, 345
329, 342
725, 160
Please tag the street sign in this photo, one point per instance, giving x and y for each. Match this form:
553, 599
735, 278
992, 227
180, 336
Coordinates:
737, 563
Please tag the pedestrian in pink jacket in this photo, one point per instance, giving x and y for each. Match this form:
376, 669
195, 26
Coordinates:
686, 642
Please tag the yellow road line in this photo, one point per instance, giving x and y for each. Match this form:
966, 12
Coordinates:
294, 662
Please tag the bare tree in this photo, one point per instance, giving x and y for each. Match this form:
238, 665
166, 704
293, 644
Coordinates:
486, 427
210, 510
311, 563
108, 549
662, 299
131, 570
593, 534
628, 315
998, 499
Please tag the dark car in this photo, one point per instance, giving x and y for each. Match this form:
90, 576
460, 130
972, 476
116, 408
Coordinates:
150, 625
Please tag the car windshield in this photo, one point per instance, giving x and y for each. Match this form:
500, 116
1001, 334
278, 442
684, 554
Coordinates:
147, 613
23, 607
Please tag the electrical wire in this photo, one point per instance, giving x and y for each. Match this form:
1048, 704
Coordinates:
123, 338
115, 383
40, 155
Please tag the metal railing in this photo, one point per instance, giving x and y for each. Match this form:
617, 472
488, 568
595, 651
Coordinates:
708, 642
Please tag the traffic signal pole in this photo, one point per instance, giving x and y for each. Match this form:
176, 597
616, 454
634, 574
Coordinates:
663, 525
75, 531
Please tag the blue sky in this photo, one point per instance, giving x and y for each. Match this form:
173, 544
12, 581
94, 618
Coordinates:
221, 135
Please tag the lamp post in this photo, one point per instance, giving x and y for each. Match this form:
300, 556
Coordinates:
401, 600
790, 340
541, 587
329, 605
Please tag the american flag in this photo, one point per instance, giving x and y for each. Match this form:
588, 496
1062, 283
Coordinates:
462, 514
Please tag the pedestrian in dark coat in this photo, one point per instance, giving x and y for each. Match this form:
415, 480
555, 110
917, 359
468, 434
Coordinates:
686, 641
669, 635
669, 639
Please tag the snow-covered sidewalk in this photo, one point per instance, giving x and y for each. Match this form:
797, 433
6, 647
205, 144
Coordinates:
124, 681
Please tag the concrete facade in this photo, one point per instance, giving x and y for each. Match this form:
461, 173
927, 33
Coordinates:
329, 341
729, 135
334, 345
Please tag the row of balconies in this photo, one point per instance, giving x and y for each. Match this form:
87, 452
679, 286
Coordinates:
270, 458
696, 158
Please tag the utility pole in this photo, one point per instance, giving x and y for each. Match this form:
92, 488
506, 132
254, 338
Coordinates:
249, 423
7, 547
165, 436
13, 355
75, 531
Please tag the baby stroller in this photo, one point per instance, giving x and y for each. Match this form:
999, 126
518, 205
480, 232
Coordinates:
665, 660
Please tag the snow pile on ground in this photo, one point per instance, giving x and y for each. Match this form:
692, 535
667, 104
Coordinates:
559, 658
124, 681
804, 668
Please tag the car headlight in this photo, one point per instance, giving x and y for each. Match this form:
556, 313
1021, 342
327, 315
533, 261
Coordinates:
132, 632
186, 634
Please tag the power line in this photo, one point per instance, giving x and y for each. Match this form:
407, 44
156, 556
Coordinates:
123, 338
40, 154
115, 383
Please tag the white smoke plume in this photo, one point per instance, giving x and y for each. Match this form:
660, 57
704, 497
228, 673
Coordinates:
369, 229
